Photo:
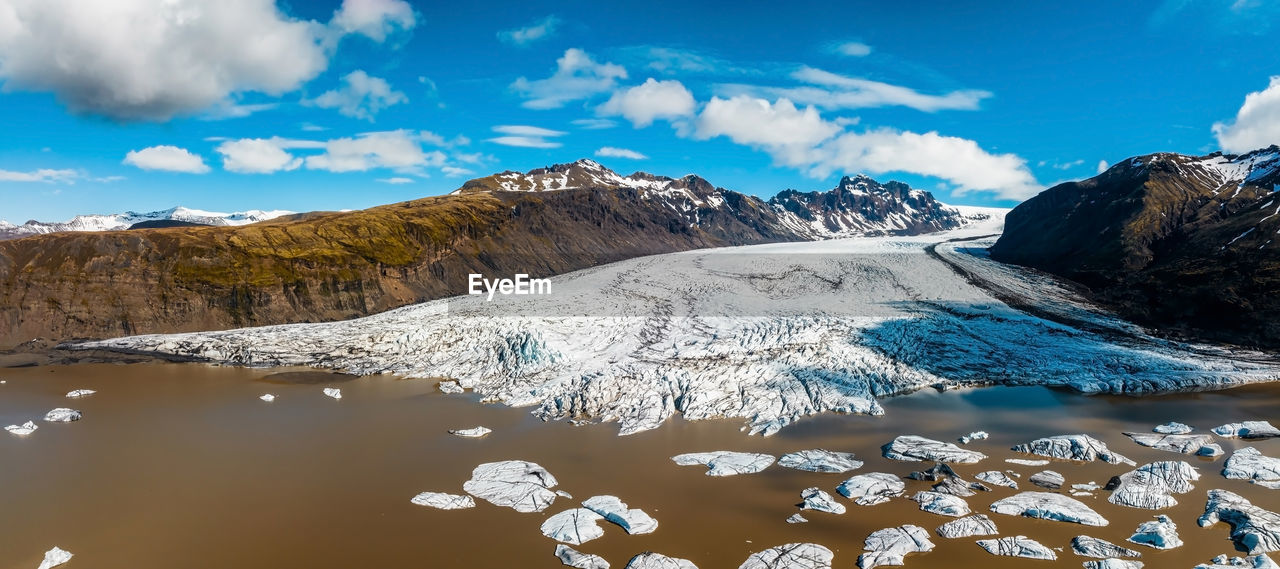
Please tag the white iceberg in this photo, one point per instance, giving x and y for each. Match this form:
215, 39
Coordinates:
1173, 428
1251, 562
871, 488
23, 429
633, 520
819, 460
1048, 479
443, 501
1160, 533
450, 387
790, 556
1152, 486
1017, 546
267, 397
1073, 447
578, 560
968, 526
997, 478
1086, 546
1250, 464
63, 415
651, 560
1113, 563
1202, 445
974, 436
333, 392
942, 504
474, 432
1049, 506
520, 485
726, 463
1253, 529
55, 557
1247, 430
574, 526
820, 501
1026, 462
916, 448
797, 519
80, 393
891, 545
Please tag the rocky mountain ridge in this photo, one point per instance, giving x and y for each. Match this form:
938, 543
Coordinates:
117, 221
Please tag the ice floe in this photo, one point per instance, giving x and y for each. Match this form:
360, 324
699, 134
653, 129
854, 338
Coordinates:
450, 387
1113, 563
820, 501
1254, 529
917, 448
819, 460
333, 392
575, 526
1017, 546
797, 519
1251, 562
1073, 447
1160, 533
790, 556
517, 484
1201, 445
997, 478
579, 560
651, 560
23, 429
80, 393
968, 526
942, 504
63, 415
890, 545
726, 463
871, 488
1247, 430
1087, 546
1250, 464
1027, 462
1048, 506
633, 520
1173, 428
1048, 479
55, 557
1152, 486
267, 397
974, 436
473, 432
444, 501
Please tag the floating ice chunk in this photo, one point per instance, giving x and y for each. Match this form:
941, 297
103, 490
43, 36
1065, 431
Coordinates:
23, 429
633, 520
872, 488
1202, 445
820, 501
797, 519
1251, 562
1025, 462
1252, 528
1087, 546
1250, 464
63, 415
1048, 479
819, 460
1017, 546
1113, 563
1086, 487
1073, 447
80, 393
997, 478
333, 392
1248, 430
474, 432
889, 546
1161, 533
651, 560
1048, 506
968, 526
1212, 450
444, 501
790, 556
974, 436
912, 447
1152, 486
575, 526
267, 397
450, 387
520, 485
726, 463
942, 504
1173, 428
55, 557
574, 558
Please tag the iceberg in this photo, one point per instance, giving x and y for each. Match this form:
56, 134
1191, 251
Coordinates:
474, 432
520, 485
578, 560
1253, 529
63, 415
969, 526
23, 429
1161, 533
1073, 447
891, 545
633, 520
726, 463
1152, 486
790, 556
1250, 464
55, 557
1247, 430
333, 392
80, 393
1049, 506
443, 501
1086, 546
942, 504
1017, 546
871, 489
574, 526
819, 460
651, 560
916, 448
820, 501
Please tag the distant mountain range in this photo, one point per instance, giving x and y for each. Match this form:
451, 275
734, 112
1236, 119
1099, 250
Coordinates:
1188, 244
336, 265
117, 221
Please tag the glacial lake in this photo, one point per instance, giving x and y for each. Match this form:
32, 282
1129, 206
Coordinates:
181, 465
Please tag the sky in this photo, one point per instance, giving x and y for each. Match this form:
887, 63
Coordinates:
234, 105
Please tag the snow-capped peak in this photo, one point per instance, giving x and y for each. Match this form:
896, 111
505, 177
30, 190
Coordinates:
118, 221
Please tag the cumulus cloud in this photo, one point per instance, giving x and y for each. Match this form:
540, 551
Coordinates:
651, 100
539, 30
853, 49
1102, 166
361, 96
611, 152
802, 139
1257, 123
46, 175
577, 77
166, 158
455, 171
399, 150
261, 155
832, 91
525, 136
155, 59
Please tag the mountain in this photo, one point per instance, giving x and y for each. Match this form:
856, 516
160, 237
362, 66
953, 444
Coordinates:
117, 221
325, 266
1185, 243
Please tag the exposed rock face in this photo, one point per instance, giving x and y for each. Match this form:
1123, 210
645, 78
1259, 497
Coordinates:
819, 460
1017, 546
1201, 445
968, 526
650, 560
1152, 486
791, 556
942, 504
1250, 464
1252, 528
912, 447
576, 526
443, 501
1093, 547
1073, 447
1177, 241
1160, 533
820, 501
520, 485
1048, 479
726, 463
633, 520
578, 560
872, 488
1048, 506
862, 206
1248, 430
891, 545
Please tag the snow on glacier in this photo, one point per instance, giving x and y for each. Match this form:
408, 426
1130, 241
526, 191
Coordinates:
766, 333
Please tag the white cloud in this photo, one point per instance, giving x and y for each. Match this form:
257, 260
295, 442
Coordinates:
454, 171
853, 49
154, 59
651, 100
395, 181
525, 142
260, 155
832, 91
594, 124
539, 30
399, 150
611, 152
1257, 123
227, 109
1102, 166
375, 19
309, 127
525, 130
166, 158
42, 175
361, 96
525, 136
802, 139
577, 77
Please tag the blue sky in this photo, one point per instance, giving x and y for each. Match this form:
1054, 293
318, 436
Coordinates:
249, 104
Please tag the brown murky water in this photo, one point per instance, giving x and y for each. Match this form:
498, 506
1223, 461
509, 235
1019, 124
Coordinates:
182, 466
